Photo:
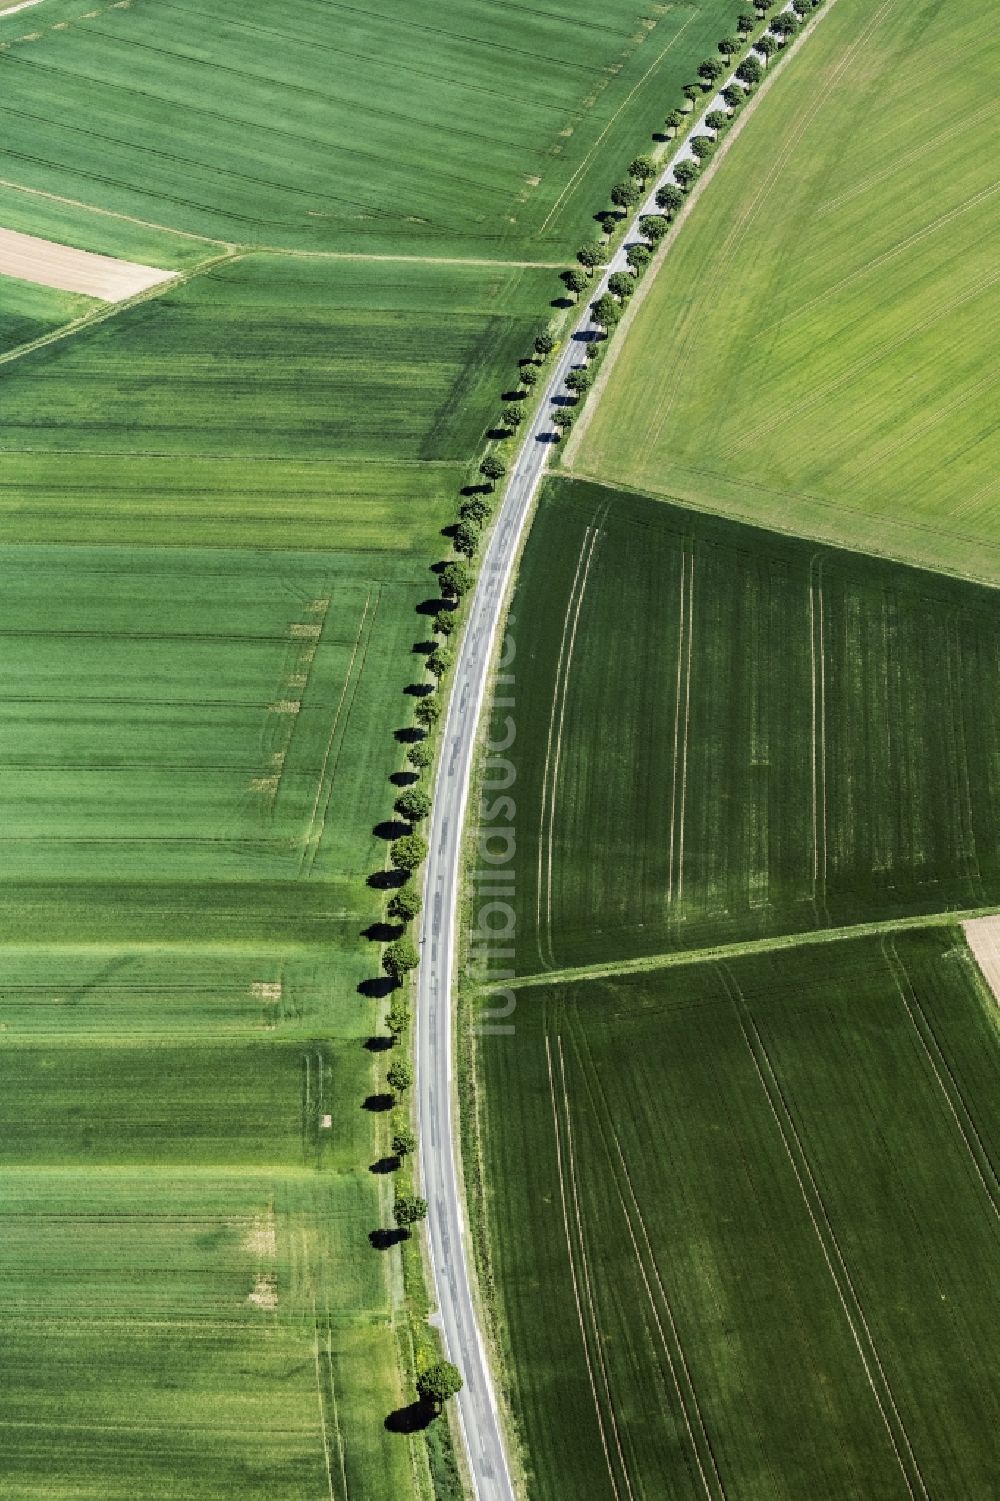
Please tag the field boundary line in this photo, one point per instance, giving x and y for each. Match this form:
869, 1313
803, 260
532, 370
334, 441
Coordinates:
573, 1277
783, 1119
904, 985
692, 1394
817, 661
231, 246
420, 260
677, 724
681, 958
686, 741
102, 314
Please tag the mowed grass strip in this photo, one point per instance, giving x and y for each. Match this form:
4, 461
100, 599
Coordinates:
314, 126
752, 1248
724, 733
283, 358
815, 352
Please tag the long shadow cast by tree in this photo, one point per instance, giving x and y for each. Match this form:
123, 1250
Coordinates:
414, 1418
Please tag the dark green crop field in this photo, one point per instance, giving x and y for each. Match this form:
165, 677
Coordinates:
743, 1219
458, 128
724, 733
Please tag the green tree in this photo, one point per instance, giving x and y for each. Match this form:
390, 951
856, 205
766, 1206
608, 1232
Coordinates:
711, 69
606, 311
575, 280
438, 1383
419, 755
404, 1141
802, 8
593, 349
474, 508
592, 254
398, 1018
785, 25
642, 168
529, 374
455, 580
428, 711
439, 661
408, 853
625, 195
655, 227
493, 468
405, 903
579, 382
702, 146
716, 119
729, 46
674, 121
562, 419
750, 72
544, 345
399, 1075
399, 958
691, 92
414, 804
512, 416
746, 22
408, 1209
466, 538
638, 257
767, 46
686, 172
734, 96
622, 285
669, 198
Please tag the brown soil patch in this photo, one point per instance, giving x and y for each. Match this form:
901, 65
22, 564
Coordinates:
48, 264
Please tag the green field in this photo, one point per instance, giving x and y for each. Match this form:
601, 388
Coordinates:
724, 733
815, 354
28, 312
752, 1248
459, 129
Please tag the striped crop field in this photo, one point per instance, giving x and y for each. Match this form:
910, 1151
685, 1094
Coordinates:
726, 734
453, 127
817, 352
751, 1249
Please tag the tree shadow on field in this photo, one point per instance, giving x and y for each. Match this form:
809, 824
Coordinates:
378, 987
403, 778
378, 1044
390, 829
382, 932
384, 1240
384, 1165
387, 880
412, 1419
430, 606
419, 690
377, 1103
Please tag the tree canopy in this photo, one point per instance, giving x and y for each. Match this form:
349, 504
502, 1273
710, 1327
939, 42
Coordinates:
408, 853
439, 1382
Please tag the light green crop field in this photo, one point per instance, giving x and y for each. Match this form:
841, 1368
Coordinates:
458, 128
816, 353
743, 1226
28, 312
724, 733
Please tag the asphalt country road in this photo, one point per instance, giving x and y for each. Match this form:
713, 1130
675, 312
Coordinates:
449, 1256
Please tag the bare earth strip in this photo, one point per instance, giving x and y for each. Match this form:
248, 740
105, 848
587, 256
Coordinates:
983, 937
10, 10
60, 266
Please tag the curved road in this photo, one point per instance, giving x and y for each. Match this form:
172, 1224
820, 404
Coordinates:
477, 1402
